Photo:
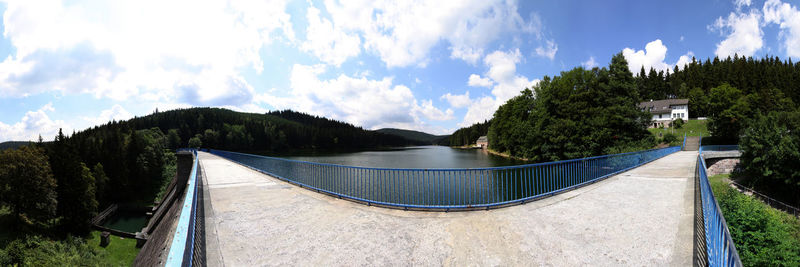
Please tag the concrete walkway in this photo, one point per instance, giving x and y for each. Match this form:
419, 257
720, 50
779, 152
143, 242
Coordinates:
640, 217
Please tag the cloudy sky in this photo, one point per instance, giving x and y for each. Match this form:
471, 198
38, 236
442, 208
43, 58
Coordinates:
433, 66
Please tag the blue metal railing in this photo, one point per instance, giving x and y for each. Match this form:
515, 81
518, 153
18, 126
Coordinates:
445, 189
719, 245
684, 141
182, 247
719, 148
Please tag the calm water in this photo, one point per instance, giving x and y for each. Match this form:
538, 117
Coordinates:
413, 157
126, 221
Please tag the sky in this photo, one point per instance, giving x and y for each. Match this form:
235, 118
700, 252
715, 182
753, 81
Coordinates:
433, 66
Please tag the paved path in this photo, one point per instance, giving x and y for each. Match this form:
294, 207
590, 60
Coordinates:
640, 217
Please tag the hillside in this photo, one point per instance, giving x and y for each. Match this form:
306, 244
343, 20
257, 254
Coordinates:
12, 144
414, 135
274, 131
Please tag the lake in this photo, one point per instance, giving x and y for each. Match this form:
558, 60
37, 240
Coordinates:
412, 157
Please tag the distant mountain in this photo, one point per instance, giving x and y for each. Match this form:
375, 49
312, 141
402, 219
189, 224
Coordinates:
414, 135
13, 144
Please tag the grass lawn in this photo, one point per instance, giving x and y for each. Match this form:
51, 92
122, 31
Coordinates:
690, 128
120, 252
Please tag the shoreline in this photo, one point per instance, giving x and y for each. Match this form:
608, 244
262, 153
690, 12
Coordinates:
505, 155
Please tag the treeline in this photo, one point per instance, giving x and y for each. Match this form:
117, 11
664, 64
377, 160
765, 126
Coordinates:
274, 131
62, 184
468, 135
580, 113
695, 81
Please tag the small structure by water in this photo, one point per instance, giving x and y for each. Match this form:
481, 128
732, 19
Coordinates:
121, 220
482, 142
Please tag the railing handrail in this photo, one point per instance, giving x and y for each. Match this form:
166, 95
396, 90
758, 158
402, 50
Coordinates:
719, 148
182, 246
720, 249
445, 169
446, 189
795, 211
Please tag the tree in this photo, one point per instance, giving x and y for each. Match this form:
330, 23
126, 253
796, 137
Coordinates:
770, 153
27, 185
580, 113
727, 112
76, 186
173, 139
195, 142
698, 103
101, 182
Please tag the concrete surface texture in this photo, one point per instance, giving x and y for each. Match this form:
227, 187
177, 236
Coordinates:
640, 217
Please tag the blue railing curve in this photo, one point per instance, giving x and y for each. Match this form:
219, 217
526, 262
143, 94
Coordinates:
720, 249
446, 189
182, 247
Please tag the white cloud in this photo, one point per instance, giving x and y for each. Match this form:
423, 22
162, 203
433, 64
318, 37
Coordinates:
151, 50
402, 32
742, 3
651, 57
457, 101
744, 35
429, 111
591, 63
369, 103
476, 80
685, 60
507, 84
788, 17
116, 113
33, 124
328, 43
481, 109
548, 51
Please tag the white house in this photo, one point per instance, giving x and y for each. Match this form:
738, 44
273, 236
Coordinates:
666, 110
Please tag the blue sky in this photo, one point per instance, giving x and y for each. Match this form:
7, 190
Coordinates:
432, 66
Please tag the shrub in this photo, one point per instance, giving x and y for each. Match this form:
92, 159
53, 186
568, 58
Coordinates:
677, 123
669, 138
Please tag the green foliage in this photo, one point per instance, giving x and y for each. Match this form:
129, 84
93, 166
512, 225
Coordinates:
771, 152
578, 114
763, 236
468, 135
748, 74
76, 186
169, 172
101, 182
698, 102
38, 251
669, 138
677, 123
173, 139
27, 185
195, 142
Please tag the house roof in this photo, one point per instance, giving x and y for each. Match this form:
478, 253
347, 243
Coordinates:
482, 139
663, 105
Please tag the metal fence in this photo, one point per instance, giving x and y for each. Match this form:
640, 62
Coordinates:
719, 247
446, 189
719, 148
182, 246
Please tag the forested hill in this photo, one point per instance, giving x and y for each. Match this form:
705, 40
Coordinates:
421, 137
12, 144
230, 130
